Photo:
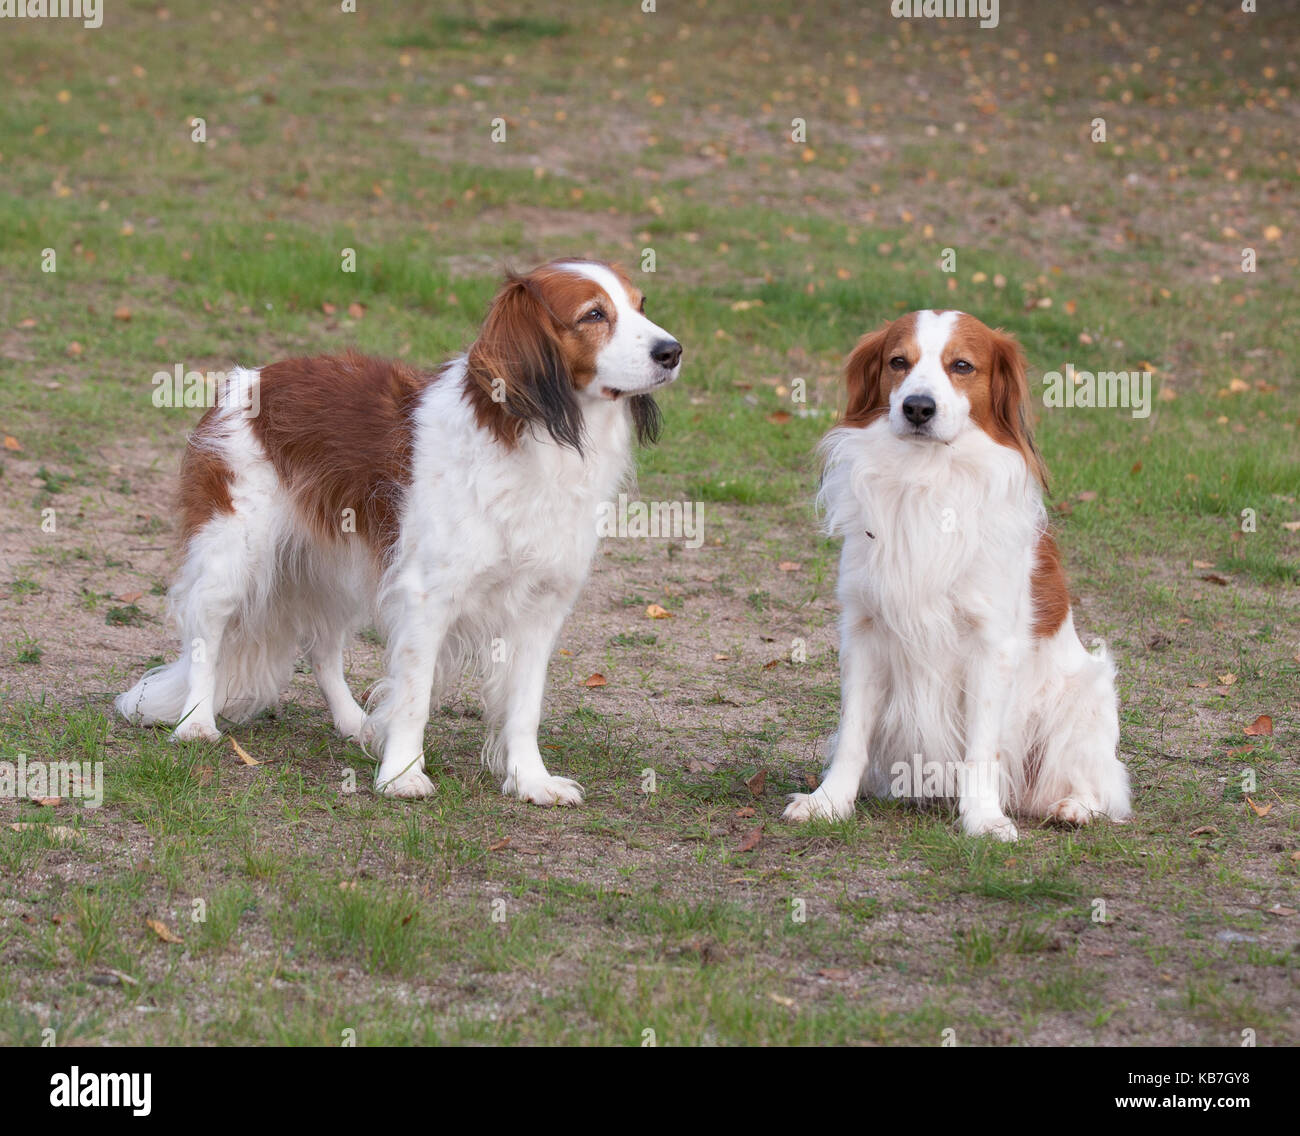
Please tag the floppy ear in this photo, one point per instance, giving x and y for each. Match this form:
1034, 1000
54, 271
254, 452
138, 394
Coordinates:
518, 372
1009, 402
864, 376
647, 419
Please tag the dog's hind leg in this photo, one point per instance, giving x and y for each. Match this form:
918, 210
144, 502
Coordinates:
1077, 774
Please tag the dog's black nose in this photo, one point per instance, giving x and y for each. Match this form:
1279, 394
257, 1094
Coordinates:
667, 353
918, 408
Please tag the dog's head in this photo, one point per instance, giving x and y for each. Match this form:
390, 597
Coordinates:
568, 333
938, 374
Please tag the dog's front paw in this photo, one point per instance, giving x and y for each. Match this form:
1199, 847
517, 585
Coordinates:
816, 806
545, 791
408, 784
192, 731
351, 724
990, 824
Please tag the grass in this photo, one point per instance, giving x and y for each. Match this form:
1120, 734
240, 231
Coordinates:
307, 908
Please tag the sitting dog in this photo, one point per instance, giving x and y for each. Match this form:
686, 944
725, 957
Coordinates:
455, 509
961, 672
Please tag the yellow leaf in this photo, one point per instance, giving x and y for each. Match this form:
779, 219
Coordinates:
243, 755
654, 611
165, 933
61, 833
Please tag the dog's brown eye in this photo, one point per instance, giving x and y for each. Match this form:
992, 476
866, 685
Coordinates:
962, 367
593, 316
898, 363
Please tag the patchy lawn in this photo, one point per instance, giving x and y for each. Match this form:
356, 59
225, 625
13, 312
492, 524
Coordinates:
304, 909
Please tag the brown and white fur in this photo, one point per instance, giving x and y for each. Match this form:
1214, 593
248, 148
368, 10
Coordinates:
957, 642
457, 510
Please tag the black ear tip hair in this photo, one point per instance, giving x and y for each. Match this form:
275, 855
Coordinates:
647, 418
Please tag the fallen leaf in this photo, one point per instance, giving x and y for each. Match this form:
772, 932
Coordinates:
47, 802
779, 417
834, 973
1227, 679
1240, 751
758, 783
59, 832
767, 666
1261, 727
789, 566
502, 843
122, 313
1291, 526
165, 933
694, 766
654, 611
1204, 830
129, 597
328, 308
1087, 495
1281, 911
74, 348
781, 999
356, 311
745, 812
595, 680
1202, 564
243, 754
111, 977
721, 658
12, 443
1260, 810
810, 781
1216, 578
750, 840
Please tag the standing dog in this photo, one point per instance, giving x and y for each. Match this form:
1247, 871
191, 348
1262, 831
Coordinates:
457, 509
962, 674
